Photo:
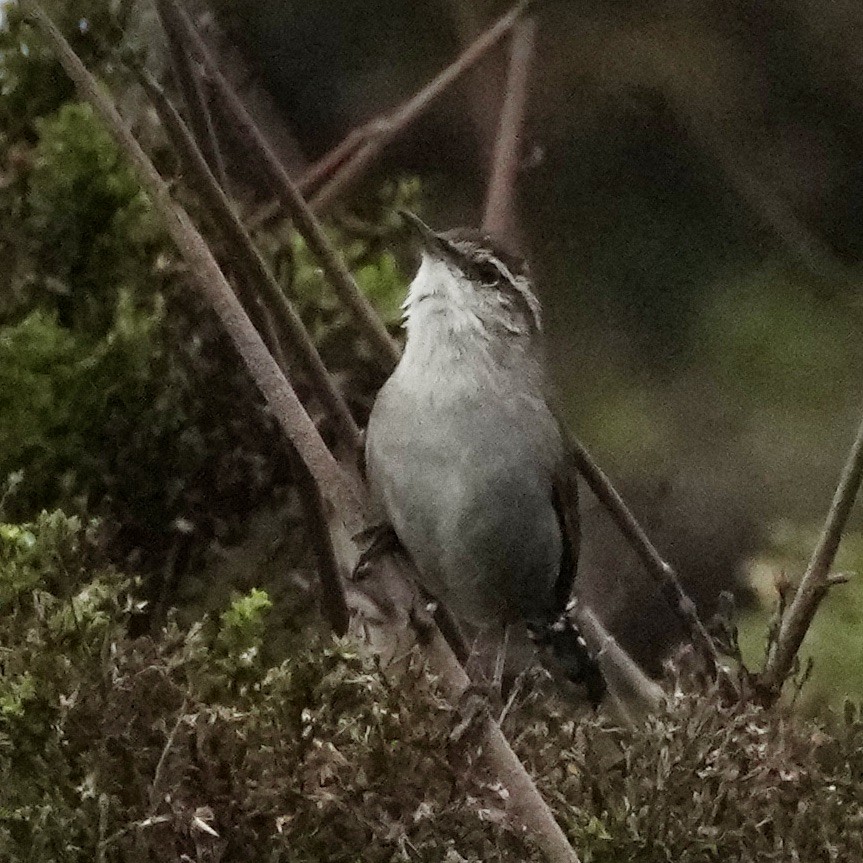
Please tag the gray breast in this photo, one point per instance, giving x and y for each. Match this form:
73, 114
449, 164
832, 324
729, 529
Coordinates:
466, 483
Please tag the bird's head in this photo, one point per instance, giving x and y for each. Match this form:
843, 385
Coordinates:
469, 283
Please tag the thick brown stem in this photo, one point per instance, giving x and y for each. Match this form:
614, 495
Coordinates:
817, 579
334, 602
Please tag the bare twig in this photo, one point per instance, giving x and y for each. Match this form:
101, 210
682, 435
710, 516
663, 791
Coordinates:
292, 333
335, 485
816, 581
326, 166
383, 129
307, 224
188, 82
500, 217
661, 571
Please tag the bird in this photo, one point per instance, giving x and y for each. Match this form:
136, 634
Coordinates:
464, 458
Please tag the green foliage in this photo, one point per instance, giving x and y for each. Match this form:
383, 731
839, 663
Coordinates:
118, 749
103, 233
31, 553
368, 246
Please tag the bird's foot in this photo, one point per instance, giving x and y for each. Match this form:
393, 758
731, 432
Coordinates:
379, 539
572, 654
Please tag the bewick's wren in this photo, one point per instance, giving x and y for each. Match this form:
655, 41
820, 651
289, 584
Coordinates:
464, 456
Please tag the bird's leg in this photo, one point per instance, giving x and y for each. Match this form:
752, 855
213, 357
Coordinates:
514, 692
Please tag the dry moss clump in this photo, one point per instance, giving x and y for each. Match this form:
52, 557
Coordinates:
191, 746
702, 782
120, 749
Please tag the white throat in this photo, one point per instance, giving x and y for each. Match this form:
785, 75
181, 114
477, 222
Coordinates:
435, 304
452, 337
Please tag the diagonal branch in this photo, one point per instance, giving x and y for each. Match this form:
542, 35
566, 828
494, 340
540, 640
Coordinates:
633, 692
290, 326
334, 603
817, 579
336, 487
661, 571
378, 133
188, 82
500, 217
338, 275
333, 598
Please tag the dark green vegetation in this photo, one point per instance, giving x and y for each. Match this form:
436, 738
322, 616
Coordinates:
141, 465
131, 749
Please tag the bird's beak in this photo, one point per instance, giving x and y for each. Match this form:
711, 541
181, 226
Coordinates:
430, 240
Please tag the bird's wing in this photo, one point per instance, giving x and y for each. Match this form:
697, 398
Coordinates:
564, 493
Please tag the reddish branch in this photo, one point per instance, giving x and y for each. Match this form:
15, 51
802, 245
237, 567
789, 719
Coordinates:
374, 136
500, 216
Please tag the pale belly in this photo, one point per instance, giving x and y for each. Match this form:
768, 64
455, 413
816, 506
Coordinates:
468, 492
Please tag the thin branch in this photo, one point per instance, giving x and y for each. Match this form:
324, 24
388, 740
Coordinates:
156, 785
500, 216
188, 82
291, 330
306, 223
817, 580
326, 166
661, 571
337, 488
383, 129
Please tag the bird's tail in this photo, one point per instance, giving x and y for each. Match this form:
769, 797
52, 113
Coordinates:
570, 650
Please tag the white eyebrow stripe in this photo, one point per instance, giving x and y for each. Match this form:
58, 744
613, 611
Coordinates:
518, 283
